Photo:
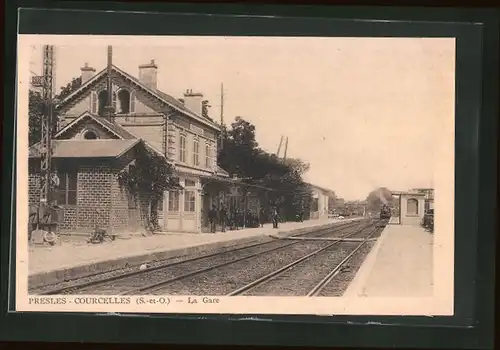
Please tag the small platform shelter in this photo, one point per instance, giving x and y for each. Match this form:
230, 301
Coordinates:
411, 207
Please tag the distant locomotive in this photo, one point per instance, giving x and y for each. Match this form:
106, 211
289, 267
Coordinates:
385, 212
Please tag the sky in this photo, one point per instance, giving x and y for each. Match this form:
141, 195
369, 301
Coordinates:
363, 112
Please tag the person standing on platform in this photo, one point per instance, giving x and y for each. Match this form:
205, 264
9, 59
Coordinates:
223, 217
212, 218
275, 217
262, 216
236, 219
232, 218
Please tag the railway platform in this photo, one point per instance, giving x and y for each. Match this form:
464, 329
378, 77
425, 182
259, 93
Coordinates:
73, 259
399, 265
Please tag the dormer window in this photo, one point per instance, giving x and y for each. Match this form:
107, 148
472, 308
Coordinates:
90, 135
124, 101
103, 101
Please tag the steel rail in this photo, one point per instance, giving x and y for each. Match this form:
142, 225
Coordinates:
138, 272
100, 282
159, 285
328, 278
264, 279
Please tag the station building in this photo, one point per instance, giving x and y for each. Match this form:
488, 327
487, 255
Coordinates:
92, 149
321, 200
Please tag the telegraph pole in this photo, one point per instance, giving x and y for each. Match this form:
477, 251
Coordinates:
109, 110
279, 147
43, 214
47, 123
286, 148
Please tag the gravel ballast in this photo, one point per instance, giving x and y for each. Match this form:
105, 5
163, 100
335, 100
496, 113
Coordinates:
235, 273
303, 277
224, 280
172, 271
339, 284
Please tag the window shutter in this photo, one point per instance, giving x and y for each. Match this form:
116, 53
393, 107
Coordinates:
213, 159
113, 99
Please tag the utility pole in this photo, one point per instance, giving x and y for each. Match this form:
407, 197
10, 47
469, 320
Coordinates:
279, 147
109, 110
44, 214
286, 148
46, 82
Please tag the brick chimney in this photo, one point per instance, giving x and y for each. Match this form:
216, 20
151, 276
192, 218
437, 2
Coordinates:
148, 74
87, 73
193, 101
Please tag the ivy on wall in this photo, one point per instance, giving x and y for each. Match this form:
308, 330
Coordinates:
148, 179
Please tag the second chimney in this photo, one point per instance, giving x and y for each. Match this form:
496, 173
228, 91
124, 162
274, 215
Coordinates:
148, 74
194, 101
87, 73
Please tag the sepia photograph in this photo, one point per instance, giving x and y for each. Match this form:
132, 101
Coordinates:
257, 175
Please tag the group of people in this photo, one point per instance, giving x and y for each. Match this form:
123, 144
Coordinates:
234, 219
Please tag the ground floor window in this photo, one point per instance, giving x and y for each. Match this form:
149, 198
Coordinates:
173, 201
189, 201
66, 192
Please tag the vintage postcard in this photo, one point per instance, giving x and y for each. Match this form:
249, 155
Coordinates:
242, 175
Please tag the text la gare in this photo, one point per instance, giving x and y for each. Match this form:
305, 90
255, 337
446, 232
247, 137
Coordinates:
204, 300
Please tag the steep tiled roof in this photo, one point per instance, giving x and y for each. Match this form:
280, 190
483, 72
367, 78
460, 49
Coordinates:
166, 98
86, 148
114, 128
179, 104
173, 102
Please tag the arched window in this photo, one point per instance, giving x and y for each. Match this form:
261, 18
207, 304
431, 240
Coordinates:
412, 206
103, 100
124, 99
90, 135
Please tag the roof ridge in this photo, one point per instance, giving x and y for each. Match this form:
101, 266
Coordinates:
167, 98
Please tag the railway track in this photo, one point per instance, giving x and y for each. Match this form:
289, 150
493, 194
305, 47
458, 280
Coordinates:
137, 281
222, 279
298, 278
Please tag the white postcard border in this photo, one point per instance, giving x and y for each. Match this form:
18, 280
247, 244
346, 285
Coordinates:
443, 267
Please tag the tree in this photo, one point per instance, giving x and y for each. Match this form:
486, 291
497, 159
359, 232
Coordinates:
240, 152
67, 90
37, 108
35, 112
241, 156
297, 165
148, 179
